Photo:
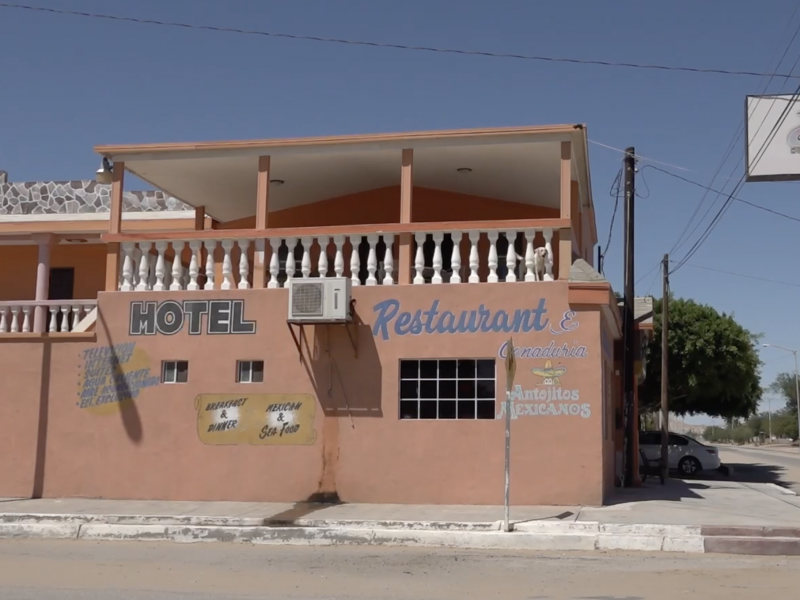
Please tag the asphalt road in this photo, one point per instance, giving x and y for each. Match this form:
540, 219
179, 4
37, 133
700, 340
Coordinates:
763, 465
65, 570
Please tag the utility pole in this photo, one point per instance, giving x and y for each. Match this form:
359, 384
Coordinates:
629, 166
665, 369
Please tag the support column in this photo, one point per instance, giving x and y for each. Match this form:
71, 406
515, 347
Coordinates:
115, 226
44, 242
406, 198
199, 218
564, 253
262, 222
566, 180
565, 237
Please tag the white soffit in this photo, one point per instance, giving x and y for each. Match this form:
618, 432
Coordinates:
525, 172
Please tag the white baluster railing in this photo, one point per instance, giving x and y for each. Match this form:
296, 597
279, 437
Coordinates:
225, 263
60, 316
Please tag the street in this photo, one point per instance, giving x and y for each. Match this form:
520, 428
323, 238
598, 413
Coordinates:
763, 465
39, 570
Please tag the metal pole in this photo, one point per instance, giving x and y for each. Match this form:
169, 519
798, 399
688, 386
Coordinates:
665, 368
797, 392
506, 525
629, 166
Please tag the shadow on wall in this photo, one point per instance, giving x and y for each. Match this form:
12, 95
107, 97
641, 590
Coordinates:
128, 410
345, 369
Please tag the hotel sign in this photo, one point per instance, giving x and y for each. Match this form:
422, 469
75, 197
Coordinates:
213, 317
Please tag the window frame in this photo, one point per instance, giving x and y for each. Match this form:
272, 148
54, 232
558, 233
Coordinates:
176, 363
252, 363
452, 401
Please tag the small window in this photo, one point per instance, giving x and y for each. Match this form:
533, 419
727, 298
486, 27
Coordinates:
447, 389
174, 371
250, 371
677, 440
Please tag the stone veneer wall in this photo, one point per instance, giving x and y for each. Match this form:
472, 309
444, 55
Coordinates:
88, 196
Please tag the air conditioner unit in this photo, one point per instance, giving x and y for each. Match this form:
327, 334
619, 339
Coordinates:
319, 300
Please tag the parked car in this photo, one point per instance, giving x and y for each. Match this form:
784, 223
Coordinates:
685, 454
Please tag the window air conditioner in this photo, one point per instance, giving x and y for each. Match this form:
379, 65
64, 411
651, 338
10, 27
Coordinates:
319, 300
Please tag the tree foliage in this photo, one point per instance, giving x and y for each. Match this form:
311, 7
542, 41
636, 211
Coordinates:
785, 385
714, 367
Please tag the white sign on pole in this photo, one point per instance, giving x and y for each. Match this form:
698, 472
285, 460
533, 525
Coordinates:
772, 137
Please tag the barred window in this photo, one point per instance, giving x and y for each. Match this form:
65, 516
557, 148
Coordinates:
447, 389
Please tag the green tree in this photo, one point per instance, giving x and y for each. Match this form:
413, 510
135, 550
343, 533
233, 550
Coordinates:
714, 367
785, 385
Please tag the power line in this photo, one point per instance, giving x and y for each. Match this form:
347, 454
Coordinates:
726, 205
787, 283
396, 46
747, 202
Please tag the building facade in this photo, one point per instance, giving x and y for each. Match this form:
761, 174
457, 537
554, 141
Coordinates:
173, 370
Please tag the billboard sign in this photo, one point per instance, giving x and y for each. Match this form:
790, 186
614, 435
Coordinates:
772, 133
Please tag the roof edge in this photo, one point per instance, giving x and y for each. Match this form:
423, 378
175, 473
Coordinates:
128, 149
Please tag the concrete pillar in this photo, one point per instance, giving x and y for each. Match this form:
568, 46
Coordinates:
44, 242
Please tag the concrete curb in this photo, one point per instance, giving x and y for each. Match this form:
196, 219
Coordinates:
531, 535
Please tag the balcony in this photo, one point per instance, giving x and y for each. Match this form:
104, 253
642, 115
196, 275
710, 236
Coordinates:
453, 252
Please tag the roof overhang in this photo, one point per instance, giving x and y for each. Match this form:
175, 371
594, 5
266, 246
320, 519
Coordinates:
518, 164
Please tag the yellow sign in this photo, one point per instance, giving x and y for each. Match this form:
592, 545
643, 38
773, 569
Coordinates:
113, 377
550, 375
256, 419
511, 364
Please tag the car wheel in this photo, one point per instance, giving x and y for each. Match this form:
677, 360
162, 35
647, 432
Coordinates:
689, 465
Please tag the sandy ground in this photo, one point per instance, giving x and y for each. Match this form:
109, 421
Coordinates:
40, 570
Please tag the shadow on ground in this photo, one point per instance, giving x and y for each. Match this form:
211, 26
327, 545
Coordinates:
676, 489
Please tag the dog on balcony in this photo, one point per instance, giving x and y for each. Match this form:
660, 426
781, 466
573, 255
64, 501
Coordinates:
540, 256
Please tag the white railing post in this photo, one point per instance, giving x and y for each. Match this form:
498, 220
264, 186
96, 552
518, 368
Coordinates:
144, 267
128, 249
492, 278
322, 261
15, 319
65, 314
419, 259
372, 259
161, 266
210, 245
305, 262
355, 260
474, 257
177, 267
455, 257
26, 319
227, 266
53, 310
274, 262
548, 261
438, 238
388, 259
291, 267
338, 261
196, 248
511, 257
530, 256
244, 264
3, 319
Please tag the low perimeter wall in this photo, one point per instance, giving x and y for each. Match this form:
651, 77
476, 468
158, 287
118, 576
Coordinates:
94, 419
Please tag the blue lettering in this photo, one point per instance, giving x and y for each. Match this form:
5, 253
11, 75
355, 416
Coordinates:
416, 323
430, 315
387, 311
401, 325
447, 323
105, 380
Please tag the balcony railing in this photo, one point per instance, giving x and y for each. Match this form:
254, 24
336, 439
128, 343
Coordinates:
510, 251
62, 316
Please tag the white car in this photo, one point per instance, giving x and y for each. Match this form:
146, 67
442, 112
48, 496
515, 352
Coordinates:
687, 455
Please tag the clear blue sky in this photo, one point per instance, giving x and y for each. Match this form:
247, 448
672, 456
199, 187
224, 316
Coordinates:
69, 83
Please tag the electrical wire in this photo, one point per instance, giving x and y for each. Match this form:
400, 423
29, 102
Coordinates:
614, 192
744, 275
330, 40
747, 202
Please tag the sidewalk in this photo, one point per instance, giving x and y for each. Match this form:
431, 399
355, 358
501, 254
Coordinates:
683, 516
